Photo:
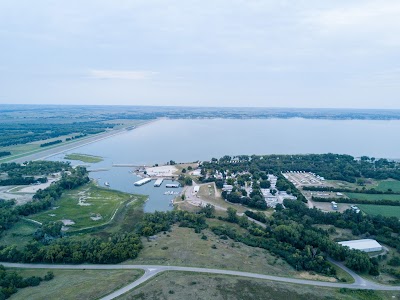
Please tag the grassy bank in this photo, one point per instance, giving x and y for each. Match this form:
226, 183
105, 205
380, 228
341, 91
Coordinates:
84, 158
76, 284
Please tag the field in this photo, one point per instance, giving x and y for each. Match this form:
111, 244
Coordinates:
384, 185
83, 158
20, 234
186, 285
208, 194
182, 246
88, 206
373, 197
76, 284
384, 210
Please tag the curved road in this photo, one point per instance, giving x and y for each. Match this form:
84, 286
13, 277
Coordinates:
152, 270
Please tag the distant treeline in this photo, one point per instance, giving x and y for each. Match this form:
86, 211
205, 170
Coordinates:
22, 181
33, 168
4, 153
344, 190
51, 143
22, 132
75, 137
357, 201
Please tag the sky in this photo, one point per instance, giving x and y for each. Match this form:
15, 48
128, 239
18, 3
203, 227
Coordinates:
299, 53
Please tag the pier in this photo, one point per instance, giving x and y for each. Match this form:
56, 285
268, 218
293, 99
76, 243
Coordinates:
142, 181
158, 182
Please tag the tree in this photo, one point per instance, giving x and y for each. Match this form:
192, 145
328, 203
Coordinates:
232, 217
208, 210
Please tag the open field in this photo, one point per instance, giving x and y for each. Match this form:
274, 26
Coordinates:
373, 197
186, 285
384, 185
209, 194
20, 234
83, 158
87, 206
76, 284
183, 247
384, 210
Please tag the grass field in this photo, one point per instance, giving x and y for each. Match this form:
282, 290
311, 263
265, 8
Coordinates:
76, 284
87, 206
384, 185
384, 210
182, 246
373, 197
208, 194
84, 158
186, 285
20, 234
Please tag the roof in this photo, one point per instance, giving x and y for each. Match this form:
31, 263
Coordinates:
361, 244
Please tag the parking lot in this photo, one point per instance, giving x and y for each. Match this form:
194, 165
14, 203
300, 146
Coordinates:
301, 178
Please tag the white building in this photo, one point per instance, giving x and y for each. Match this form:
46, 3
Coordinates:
366, 245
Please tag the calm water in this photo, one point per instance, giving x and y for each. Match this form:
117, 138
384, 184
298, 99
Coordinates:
191, 140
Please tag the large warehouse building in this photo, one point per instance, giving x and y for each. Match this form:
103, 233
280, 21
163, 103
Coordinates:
366, 245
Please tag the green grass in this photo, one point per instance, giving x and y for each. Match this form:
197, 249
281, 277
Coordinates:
384, 185
20, 234
84, 158
373, 197
182, 246
103, 202
384, 210
187, 285
76, 284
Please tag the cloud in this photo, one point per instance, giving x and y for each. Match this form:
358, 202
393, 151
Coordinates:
121, 74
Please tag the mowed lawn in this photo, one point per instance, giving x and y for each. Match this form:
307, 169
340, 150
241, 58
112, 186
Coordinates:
87, 206
76, 284
373, 197
384, 210
384, 185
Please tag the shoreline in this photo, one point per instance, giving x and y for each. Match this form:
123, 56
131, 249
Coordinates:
46, 153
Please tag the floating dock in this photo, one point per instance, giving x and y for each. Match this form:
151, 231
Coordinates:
158, 182
172, 185
142, 181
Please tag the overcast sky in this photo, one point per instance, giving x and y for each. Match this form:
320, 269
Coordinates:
299, 53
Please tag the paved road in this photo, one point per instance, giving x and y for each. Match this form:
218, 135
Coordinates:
152, 270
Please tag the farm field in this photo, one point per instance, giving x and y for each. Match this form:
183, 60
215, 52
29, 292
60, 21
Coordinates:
384, 210
186, 285
373, 197
83, 158
87, 206
384, 185
76, 284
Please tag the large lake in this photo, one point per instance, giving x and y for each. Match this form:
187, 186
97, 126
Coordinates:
192, 140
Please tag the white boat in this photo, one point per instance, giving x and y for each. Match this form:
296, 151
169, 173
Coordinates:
106, 183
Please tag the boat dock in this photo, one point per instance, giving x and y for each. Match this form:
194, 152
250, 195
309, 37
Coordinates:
142, 181
158, 182
172, 185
